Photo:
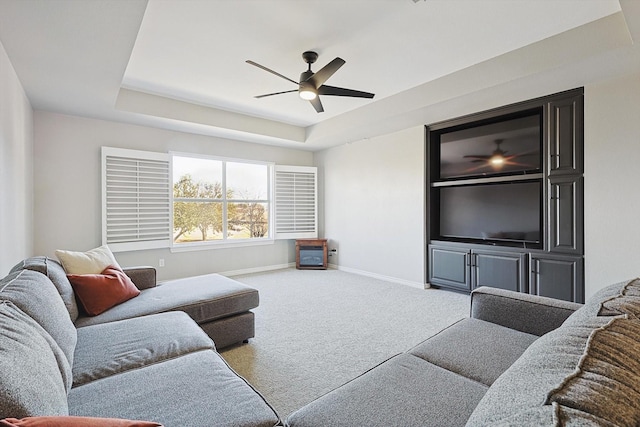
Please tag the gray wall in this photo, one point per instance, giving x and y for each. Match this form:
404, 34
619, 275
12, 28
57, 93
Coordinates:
68, 198
16, 169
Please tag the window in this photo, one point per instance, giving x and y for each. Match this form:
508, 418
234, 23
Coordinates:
157, 200
220, 200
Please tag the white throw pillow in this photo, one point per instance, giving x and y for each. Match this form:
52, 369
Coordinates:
90, 262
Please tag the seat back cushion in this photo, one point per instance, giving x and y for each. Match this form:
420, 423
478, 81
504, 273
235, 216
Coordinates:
35, 295
31, 382
55, 272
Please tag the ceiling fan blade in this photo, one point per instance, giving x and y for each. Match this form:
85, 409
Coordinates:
276, 93
317, 104
509, 162
270, 71
482, 166
325, 72
476, 157
339, 91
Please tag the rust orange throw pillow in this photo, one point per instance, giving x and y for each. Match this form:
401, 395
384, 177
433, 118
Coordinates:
70, 421
99, 292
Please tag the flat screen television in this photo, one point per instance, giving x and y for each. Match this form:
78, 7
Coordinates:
500, 213
505, 145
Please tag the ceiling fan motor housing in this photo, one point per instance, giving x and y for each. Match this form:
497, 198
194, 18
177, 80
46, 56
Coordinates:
309, 57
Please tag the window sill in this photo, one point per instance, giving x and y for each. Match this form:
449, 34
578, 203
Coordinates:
190, 247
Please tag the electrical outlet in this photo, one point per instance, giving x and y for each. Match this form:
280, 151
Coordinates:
161, 262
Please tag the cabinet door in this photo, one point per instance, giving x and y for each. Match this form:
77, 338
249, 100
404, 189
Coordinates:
502, 270
566, 215
566, 136
557, 276
449, 267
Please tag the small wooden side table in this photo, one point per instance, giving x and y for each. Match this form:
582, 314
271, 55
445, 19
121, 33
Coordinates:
311, 254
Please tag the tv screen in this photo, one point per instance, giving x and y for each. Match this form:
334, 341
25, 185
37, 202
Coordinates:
503, 147
505, 212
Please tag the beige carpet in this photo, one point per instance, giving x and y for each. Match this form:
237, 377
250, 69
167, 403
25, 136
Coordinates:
316, 330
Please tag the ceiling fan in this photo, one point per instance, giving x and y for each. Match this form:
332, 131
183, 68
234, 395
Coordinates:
497, 159
311, 84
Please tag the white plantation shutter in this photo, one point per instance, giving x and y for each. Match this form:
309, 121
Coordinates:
136, 199
296, 199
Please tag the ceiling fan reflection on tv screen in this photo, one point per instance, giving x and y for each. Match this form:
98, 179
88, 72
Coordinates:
498, 159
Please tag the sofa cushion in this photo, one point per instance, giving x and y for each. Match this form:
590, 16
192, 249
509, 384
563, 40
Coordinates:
524, 386
475, 349
31, 382
197, 389
70, 421
89, 262
204, 298
35, 295
115, 347
403, 391
99, 292
606, 382
55, 272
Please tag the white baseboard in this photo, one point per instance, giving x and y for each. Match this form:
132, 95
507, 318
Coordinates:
267, 268
257, 269
379, 276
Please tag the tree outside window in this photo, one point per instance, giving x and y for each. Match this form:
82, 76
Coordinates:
219, 200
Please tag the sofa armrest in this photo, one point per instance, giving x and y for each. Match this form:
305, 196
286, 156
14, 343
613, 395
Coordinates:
523, 312
143, 277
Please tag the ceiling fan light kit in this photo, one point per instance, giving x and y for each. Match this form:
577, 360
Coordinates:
311, 84
307, 91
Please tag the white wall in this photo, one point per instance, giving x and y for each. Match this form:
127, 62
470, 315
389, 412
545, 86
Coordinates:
612, 174
67, 181
373, 197
16, 169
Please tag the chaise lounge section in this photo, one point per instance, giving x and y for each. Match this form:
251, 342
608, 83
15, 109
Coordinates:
219, 305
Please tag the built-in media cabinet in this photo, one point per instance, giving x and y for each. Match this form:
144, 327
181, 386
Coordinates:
505, 198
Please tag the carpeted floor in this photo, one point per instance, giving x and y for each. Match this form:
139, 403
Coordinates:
316, 330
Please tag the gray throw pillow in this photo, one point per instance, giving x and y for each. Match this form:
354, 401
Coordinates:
606, 383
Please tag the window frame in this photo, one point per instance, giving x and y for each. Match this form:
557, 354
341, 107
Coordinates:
226, 242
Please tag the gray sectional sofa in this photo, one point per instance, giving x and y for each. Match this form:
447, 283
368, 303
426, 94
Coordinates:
519, 360
145, 359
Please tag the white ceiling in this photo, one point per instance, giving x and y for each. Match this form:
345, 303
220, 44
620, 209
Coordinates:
180, 64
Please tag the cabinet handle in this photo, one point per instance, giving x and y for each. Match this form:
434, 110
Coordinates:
535, 267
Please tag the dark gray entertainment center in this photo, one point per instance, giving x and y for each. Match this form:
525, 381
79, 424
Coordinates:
505, 198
